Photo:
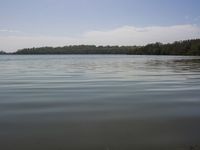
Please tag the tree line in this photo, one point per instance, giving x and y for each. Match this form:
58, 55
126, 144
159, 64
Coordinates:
186, 47
2, 52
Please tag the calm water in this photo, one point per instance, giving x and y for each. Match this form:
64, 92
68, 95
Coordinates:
99, 102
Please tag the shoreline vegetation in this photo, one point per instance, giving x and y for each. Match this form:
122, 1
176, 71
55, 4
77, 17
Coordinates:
186, 47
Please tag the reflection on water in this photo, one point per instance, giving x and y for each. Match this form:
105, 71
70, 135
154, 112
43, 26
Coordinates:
59, 102
177, 64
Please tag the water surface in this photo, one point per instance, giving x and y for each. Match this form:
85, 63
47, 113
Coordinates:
99, 102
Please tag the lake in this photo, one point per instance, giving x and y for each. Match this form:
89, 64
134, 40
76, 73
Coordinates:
99, 102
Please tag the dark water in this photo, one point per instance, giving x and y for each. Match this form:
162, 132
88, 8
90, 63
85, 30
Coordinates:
99, 102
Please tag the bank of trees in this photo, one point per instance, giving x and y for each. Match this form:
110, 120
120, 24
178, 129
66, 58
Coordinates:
2, 52
187, 47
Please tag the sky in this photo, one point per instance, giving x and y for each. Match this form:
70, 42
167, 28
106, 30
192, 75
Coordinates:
37, 23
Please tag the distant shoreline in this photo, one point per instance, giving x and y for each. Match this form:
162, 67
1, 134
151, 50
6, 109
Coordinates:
182, 48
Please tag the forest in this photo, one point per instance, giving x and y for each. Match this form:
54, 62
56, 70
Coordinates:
186, 47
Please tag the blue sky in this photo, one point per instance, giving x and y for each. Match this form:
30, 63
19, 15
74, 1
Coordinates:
63, 22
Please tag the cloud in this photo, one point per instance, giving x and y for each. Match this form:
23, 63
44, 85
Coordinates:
9, 31
130, 35
126, 35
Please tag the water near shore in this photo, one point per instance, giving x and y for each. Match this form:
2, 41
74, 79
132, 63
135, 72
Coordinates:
99, 102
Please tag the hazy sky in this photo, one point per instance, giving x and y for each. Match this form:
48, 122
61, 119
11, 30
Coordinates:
28, 23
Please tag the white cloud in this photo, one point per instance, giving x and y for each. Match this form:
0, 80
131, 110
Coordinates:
126, 35
9, 31
129, 35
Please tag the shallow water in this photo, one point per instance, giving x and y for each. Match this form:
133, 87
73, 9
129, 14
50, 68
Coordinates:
99, 102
